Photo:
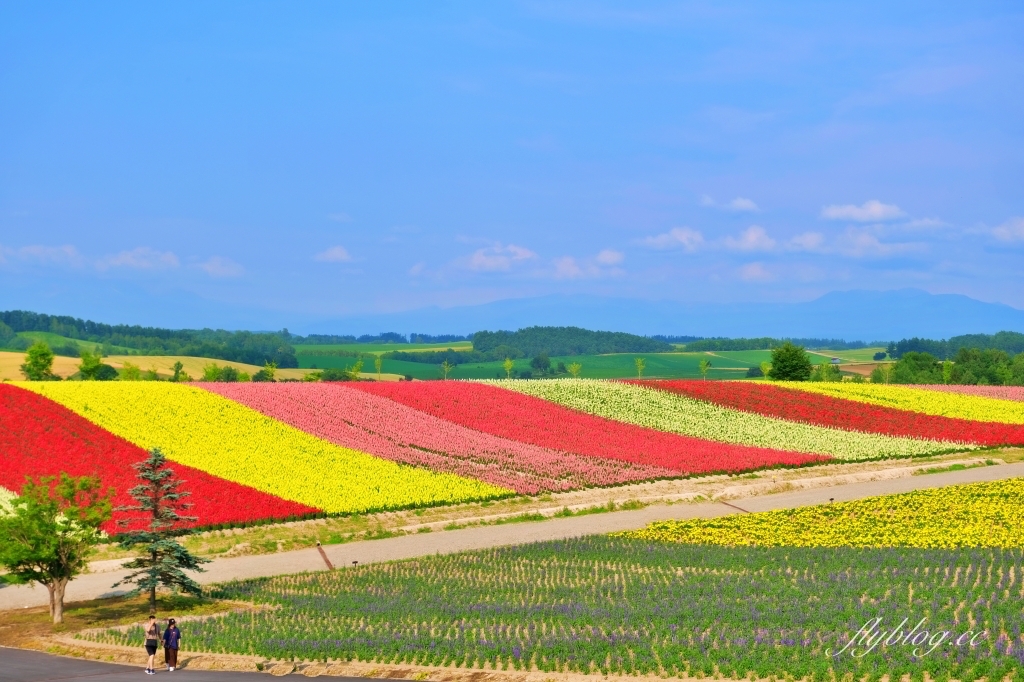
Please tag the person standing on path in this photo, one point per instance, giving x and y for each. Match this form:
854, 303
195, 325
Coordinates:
172, 638
152, 640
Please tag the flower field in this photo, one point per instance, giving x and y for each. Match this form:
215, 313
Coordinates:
295, 449
364, 421
230, 441
780, 401
999, 392
680, 414
946, 404
619, 606
494, 409
42, 438
973, 515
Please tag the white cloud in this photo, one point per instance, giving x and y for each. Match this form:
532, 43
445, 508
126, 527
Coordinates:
498, 258
141, 258
218, 266
39, 254
737, 204
857, 243
754, 238
610, 257
741, 204
567, 268
755, 272
685, 237
604, 264
417, 269
335, 254
925, 223
1010, 231
807, 241
339, 217
869, 211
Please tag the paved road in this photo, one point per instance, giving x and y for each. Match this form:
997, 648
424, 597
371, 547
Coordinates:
18, 665
96, 585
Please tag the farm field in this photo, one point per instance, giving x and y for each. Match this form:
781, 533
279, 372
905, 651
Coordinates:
781, 401
615, 366
737, 358
192, 365
974, 515
378, 348
313, 449
854, 355
674, 413
613, 605
11, 361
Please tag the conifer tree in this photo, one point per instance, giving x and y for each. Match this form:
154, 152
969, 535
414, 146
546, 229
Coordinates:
164, 560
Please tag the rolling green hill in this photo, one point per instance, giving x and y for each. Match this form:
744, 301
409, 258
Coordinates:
617, 366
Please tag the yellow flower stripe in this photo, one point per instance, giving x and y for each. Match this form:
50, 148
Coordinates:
687, 416
921, 400
971, 515
203, 430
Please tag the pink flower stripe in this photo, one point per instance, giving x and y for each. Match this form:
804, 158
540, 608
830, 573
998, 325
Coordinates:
1000, 392
381, 427
526, 419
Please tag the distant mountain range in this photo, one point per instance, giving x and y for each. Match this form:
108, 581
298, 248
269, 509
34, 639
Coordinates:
851, 315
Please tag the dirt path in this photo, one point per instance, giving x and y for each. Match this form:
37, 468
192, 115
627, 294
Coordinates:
95, 585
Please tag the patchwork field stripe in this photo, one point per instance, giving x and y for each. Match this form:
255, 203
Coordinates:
226, 439
494, 409
42, 438
783, 402
680, 414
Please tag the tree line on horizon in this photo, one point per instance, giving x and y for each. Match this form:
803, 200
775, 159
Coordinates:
259, 348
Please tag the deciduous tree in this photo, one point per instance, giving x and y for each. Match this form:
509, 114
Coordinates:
704, 366
39, 363
790, 363
46, 533
574, 369
507, 366
90, 365
641, 364
446, 368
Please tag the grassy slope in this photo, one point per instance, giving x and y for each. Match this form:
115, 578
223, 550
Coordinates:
858, 355
378, 348
665, 365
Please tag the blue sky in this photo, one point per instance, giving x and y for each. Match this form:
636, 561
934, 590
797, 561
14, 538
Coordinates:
290, 164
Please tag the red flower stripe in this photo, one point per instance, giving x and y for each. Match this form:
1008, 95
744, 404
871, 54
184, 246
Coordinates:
773, 400
384, 428
41, 438
527, 419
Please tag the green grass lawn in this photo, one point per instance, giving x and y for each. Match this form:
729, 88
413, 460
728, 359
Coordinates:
742, 358
378, 348
858, 355
618, 366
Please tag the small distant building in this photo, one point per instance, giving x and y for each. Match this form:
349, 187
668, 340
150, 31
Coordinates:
836, 361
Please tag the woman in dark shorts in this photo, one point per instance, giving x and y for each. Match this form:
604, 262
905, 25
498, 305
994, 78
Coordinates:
152, 641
